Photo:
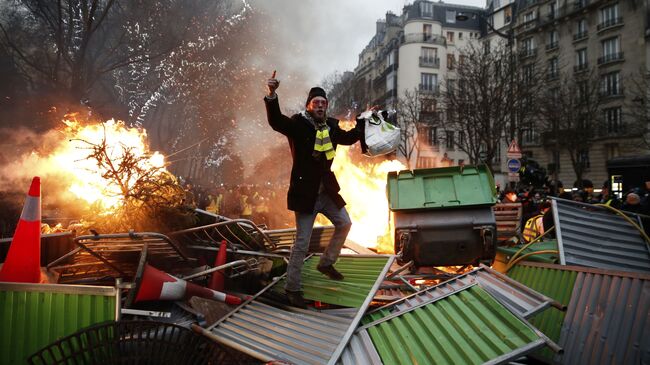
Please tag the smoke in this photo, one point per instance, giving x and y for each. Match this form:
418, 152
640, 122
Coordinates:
28, 155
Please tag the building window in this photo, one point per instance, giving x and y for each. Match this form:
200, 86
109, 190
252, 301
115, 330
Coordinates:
582, 87
390, 83
613, 120
451, 16
390, 58
426, 9
552, 10
609, 16
583, 158
507, 15
449, 140
450, 61
611, 50
553, 70
529, 134
582, 26
428, 82
451, 86
450, 37
432, 136
528, 46
552, 39
529, 17
581, 58
610, 84
428, 105
461, 138
528, 72
427, 30
429, 54
460, 35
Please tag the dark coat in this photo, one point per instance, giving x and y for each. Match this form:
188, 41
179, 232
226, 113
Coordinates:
307, 172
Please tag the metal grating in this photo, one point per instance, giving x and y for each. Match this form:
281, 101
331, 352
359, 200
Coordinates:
608, 320
466, 327
514, 296
360, 350
297, 336
553, 281
360, 272
34, 315
105, 256
594, 237
274, 332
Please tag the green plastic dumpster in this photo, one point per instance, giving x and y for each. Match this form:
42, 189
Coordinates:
443, 216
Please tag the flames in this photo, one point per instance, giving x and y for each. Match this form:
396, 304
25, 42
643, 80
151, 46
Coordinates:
363, 186
88, 182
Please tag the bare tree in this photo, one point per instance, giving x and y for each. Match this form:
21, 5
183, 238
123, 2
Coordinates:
409, 120
490, 98
570, 119
638, 107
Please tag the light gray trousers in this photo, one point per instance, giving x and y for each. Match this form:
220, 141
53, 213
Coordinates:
304, 227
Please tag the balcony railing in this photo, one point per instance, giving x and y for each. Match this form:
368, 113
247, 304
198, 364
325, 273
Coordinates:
609, 23
531, 23
422, 38
581, 67
611, 93
554, 75
552, 46
580, 36
433, 62
525, 53
612, 57
579, 4
429, 89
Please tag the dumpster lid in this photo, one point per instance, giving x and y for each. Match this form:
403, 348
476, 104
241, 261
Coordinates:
444, 187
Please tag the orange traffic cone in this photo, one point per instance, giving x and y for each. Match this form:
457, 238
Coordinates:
158, 285
218, 278
23, 262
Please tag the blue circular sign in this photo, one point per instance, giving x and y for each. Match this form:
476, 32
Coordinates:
514, 165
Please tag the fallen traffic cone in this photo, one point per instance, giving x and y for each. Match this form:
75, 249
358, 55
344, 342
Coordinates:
23, 262
218, 278
158, 285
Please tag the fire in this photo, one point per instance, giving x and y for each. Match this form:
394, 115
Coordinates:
88, 182
363, 186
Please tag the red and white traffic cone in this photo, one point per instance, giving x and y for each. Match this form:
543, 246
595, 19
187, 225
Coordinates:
158, 285
218, 278
23, 262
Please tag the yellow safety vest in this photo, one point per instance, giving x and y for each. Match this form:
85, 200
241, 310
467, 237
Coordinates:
531, 229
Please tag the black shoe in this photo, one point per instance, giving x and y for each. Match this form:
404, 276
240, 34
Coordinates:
330, 272
296, 299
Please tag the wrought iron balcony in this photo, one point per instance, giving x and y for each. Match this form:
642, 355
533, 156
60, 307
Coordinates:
609, 23
552, 46
580, 36
581, 67
612, 57
429, 89
433, 62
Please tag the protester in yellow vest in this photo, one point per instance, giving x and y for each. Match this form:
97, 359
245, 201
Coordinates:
534, 226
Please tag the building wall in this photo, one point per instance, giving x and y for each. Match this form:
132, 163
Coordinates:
634, 47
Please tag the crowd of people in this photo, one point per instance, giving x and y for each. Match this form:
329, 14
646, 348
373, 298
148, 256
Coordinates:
536, 207
261, 204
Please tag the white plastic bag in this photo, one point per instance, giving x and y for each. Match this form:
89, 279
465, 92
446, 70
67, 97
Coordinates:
381, 137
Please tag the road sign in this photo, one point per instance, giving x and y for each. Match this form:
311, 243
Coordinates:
513, 176
514, 165
513, 150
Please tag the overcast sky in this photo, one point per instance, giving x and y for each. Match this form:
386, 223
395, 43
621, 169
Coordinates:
323, 36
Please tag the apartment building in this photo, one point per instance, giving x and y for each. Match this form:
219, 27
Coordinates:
605, 38
412, 55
